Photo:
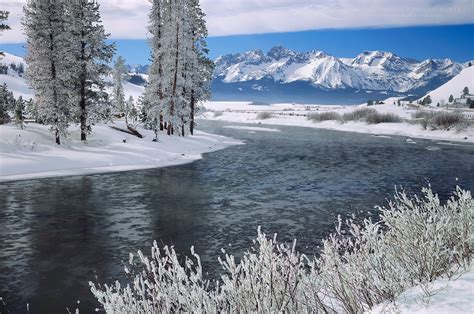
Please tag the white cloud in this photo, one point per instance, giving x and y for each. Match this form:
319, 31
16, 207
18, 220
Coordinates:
128, 18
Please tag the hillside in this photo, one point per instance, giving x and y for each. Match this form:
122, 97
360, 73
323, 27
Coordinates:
454, 86
14, 77
17, 84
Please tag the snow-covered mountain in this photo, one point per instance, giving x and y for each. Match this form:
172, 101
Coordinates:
322, 77
283, 75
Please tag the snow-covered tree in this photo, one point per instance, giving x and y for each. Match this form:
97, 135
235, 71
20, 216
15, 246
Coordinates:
7, 102
20, 112
119, 75
92, 55
180, 72
202, 67
3, 27
154, 100
130, 110
50, 58
426, 101
465, 91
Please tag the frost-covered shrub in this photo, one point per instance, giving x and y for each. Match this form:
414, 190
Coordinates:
218, 114
416, 240
159, 284
324, 116
264, 115
377, 117
358, 114
440, 120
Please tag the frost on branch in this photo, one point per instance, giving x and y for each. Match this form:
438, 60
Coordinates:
416, 240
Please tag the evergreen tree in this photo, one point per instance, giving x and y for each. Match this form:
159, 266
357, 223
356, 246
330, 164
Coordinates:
51, 62
20, 112
202, 67
451, 98
92, 57
3, 27
119, 76
465, 91
180, 73
154, 101
130, 111
7, 102
31, 111
426, 101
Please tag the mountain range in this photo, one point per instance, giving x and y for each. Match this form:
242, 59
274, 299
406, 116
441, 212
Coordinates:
283, 75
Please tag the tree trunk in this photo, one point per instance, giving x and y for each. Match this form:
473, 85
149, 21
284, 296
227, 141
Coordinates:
175, 80
83, 117
191, 123
58, 140
162, 127
83, 104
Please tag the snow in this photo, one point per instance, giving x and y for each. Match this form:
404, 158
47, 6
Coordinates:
448, 296
290, 114
454, 87
31, 153
18, 86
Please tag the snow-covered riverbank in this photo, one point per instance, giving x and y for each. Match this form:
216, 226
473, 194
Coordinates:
447, 296
295, 115
31, 153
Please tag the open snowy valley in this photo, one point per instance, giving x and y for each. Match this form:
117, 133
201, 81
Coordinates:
290, 158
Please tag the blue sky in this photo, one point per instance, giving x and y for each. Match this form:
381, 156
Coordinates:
422, 42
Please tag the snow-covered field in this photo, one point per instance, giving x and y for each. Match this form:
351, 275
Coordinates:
290, 114
31, 153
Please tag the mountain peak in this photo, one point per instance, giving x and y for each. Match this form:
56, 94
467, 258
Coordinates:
280, 52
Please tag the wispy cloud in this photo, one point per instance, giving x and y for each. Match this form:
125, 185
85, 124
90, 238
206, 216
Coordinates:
128, 18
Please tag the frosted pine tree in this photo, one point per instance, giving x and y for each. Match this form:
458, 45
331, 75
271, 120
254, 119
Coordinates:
20, 112
93, 55
201, 67
154, 102
180, 73
130, 111
50, 62
7, 102
119, 75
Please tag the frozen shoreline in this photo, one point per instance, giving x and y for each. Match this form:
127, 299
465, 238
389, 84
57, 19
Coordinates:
32, 154
292, 115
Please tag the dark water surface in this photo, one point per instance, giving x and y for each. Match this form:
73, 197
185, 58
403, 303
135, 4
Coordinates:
58, 234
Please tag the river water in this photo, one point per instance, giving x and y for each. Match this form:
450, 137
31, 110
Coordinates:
57, 234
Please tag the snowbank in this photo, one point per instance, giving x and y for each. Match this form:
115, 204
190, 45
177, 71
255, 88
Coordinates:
454, 87
289, 114
448, 296
31, 153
